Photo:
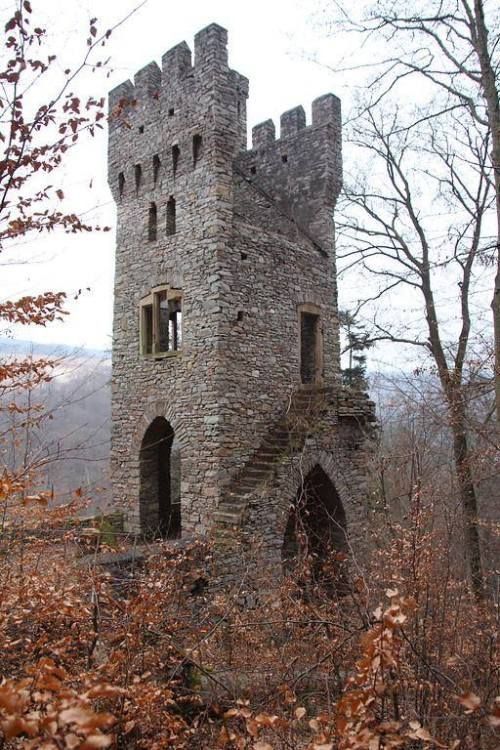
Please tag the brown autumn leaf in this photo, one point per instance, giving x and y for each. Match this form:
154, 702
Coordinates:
17, 725
418, 732
85, 717
265, 720
105, 690
72, 741
470, 701
95, 741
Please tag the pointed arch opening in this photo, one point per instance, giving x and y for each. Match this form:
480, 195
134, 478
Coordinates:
315, 546
160, 472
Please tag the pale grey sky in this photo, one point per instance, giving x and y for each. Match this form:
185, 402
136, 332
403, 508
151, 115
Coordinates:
269, 42
273, 43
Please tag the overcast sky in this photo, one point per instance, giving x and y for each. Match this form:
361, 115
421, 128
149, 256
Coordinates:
269, 42
281, 46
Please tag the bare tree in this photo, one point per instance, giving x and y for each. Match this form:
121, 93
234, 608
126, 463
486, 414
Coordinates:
454, 46
418, 219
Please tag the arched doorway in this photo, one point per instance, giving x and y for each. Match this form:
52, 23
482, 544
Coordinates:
315, 547
159, 500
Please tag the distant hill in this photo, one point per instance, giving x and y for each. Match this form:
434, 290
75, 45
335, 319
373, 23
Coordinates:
21, 347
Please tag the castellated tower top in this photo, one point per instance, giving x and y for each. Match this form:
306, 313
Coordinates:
210, 59
168, 107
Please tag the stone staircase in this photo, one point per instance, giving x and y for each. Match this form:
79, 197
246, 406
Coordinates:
287, 438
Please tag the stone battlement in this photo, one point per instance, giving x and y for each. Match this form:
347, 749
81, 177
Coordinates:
153, 84
325, 111
302, 170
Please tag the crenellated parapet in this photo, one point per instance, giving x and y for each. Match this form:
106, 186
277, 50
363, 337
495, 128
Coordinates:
167, 107
210, 60
302, 169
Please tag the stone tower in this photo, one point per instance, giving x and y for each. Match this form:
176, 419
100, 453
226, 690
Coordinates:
228, 409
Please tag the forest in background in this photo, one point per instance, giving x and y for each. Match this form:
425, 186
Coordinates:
60, 430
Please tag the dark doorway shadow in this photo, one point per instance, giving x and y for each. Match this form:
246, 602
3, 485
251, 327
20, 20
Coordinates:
315, 547
159, 500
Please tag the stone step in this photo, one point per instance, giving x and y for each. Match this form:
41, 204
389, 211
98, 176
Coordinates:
227, 519
287, 439
240, 494
256, 473
274, 449
258, 465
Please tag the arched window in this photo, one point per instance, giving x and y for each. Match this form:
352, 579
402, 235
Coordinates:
197, 148
152, 222
171, 218
121, 183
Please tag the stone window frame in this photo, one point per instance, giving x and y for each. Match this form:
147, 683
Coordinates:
152, 301
312, 309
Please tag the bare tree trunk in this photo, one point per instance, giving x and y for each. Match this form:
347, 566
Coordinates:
488, 84
467, 492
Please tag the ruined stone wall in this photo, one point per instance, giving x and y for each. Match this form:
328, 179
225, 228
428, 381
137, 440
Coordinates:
339, 429
302, 170
271, 274
160, 110
280, 258
254, 244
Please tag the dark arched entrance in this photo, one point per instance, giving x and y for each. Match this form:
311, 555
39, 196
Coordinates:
159, 500
315, 547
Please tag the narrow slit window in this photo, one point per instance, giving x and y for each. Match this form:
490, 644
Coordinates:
310, 347
152, 222
176, 152
163, 322
138, 177
121, 183
197, 148
175, 325
147, 329
171, 218
156, 168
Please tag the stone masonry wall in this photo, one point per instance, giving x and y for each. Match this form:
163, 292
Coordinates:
161, 110
254, 244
